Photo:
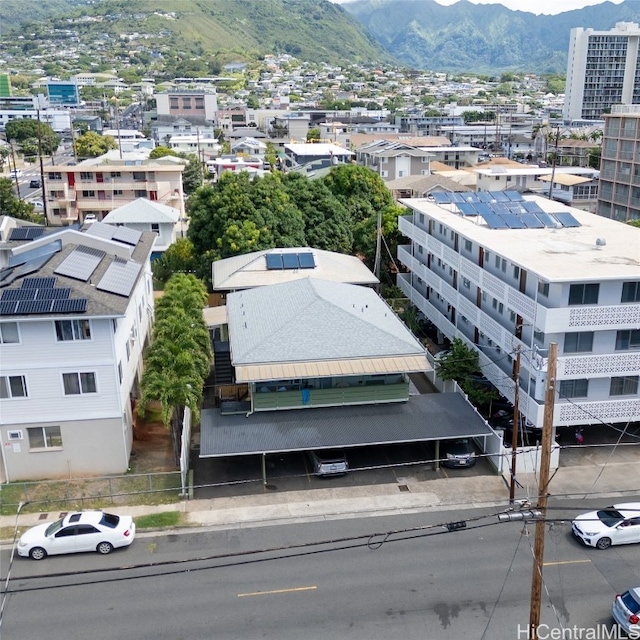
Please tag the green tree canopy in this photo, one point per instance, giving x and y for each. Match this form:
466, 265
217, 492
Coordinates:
26, 131
92, 144
193, 173
11, 205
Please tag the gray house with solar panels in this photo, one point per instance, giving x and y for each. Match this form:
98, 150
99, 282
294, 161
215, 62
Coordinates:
508, 273
76, 307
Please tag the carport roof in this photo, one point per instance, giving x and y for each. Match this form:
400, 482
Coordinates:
436, 416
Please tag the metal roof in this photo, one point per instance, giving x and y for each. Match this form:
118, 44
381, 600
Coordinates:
436, 416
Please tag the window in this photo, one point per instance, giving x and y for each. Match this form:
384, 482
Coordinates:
627, 386
116, 174
85, 175
73, 330
630, 292
9, 333
516, 272
584, 293
88, 193
13, 387
155, 227
629, 339
120, 371
54, 175
574, 388
467, 245
578, 342
140, 193
466, 283
538, 336
79, 383
543, 289
139, 175
128, 350
44, 437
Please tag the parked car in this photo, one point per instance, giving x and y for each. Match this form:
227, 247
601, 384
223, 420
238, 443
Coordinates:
35, 184
76, 532
618, 524
37, 205
329, 462
626, 612
16, 173
90, 217
457, 453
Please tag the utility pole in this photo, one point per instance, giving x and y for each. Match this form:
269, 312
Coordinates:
44, 193
516, 424
15, 168
545, 458
553, 166
376, 265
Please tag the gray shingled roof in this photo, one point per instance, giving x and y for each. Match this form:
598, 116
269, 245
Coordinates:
314, 320
435, 416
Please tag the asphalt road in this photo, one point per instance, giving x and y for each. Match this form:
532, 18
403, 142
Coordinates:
427, 583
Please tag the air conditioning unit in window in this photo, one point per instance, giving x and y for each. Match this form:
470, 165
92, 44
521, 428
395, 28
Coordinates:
15, 435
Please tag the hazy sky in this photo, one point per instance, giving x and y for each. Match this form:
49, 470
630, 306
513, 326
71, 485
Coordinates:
537, 6
532, 6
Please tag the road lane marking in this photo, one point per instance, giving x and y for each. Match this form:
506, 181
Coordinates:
550, 564
266, 593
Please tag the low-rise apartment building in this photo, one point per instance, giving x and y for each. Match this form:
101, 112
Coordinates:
99, 185
76, 309
509, 274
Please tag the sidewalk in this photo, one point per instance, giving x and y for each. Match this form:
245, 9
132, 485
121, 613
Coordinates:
593, 481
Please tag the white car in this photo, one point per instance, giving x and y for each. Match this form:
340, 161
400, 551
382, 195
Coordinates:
626, 612
78, 531
618, 524
16, 173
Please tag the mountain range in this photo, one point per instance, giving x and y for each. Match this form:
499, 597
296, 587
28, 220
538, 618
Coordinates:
421, 34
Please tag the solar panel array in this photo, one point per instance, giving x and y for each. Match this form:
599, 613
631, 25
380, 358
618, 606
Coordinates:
80, 263
120, 277
505, 210
123, 234
26, 233
282, 261
39, 295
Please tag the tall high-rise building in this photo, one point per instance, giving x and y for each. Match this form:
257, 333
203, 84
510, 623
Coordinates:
619, 193
603, 69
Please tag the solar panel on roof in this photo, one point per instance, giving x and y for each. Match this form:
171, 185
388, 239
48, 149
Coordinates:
18, 294
484, 209
101, 230
26, 233
531, 207
290, 260
515, 207
38, 283
566, 219
500, 196
274, 261
547, 219
494, 221
8, 307
514, 196
120, 277
80, 263
61, 293
78, 305
499, 208
441, 197
485, 196
306, 260
531, 221
28, 307
128, 236
467, 208
457, 197
513, 221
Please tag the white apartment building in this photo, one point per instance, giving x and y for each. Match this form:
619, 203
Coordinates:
519, 276
99, 185
76, 308
619, 196
602, 70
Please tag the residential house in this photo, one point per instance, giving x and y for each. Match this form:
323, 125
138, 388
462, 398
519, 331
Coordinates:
146, 215
99, 185
249, 146
510, 274
303, 153
76, 308
312, 364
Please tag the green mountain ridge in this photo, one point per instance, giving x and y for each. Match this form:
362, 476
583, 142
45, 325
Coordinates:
463, 37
